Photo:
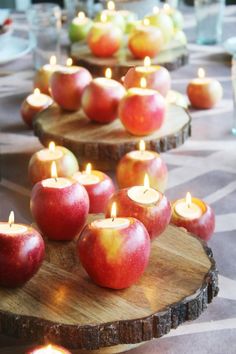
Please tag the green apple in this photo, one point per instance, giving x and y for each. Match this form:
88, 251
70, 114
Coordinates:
129, 18
79, 28
177, 19
180, 36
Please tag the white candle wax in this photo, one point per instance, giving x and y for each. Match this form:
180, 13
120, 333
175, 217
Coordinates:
141, 91
143, 195
86, 178
58, 182
6, 228
103, 81
70, 69
187, 211
146, 69
48, 155
141, 155
111, 223
80, 21
52, 68
39, 100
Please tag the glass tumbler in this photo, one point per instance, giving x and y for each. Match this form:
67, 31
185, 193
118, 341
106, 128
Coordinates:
209, 17
45, 26
233, 75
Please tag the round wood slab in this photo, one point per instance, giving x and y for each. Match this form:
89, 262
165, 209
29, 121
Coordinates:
172, 57
104, 145
60, 304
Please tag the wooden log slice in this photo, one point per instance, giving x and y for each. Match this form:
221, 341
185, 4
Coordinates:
60, 304
172, 57
104, 145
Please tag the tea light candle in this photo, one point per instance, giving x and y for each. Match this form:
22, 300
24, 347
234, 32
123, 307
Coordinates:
107, 248
145, 204
43, 75
194, 215
133, 166
204, 92
99, 187
21, 252
79, 27
33, 104
59, 206
113, 16
40, 163
48, 349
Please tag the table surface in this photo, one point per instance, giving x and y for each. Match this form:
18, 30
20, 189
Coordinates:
204, 165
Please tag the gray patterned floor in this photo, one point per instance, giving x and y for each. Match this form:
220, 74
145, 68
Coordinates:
205, 165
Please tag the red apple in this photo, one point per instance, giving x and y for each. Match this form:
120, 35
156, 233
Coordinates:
154, 216
21, 255
145, 41
50, 348
100, 99
40, 163
142, 111
67, 86
132, 168
157, 78
203, 227
60, 212
104, 39
204, 93
114, 258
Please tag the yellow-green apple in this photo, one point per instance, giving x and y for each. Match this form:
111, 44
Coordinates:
115, 17
43, 75
79, 27
162, 21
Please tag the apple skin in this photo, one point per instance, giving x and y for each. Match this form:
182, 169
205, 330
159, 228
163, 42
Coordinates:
155, 217
177, 18
60, 349
29, 112
142, 115
67, 88
60, 213
104, 41
21, 256
99, 193
130, 172
202, 227
205, 96
164, 23
145, 41
117, 258
78, 32
100, 102
158, 79
39, 170
181, 37
41, 80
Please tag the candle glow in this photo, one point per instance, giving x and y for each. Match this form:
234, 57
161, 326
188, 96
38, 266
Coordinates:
166, 8
103, 17
37, 92
111, 5
188, 200
146, 22
155, 9
142, 145
143, 83
51, 146
54, 170
69, 62
88, 169
108, 73
11, 218
81, 15
113, 210
146, 181
53, 60
147, 62
201, 73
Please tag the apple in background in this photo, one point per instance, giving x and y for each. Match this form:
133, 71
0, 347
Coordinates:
177, 18
145, 41
157, 78
104, 39
164, 23
21, 255
114, 17
79, 28
154, 216
67, 86
40, 167
100, 99
114, 258
206, 95
142, 111
180, 36
129, 19
60, 213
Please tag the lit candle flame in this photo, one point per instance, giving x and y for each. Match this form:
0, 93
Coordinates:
146, 22
37, 92
111, 5
11, 218
201, 73
166, 8
51, 146
146, 182
103, 17
69, 62
143, 82
188, 200
88, 169
81, 15
122, 79
113, 210
155, 9
108, 73
54, 170
142, 145
147, 62
53, 60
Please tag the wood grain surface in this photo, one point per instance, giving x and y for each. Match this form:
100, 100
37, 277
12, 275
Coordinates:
61, 304
104, 145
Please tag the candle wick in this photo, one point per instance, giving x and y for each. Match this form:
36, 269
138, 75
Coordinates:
113, 219
145, 191
55, 179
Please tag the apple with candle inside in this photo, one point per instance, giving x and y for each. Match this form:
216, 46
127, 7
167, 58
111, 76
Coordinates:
159, 19
157, 77
79, 27
21, 253
114, 251
48, 349
99, 187
112, 16
101, 97
59, 206
68, 84
40, 163
146, 204
142, 110
194, 215
133, 166
33, 104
